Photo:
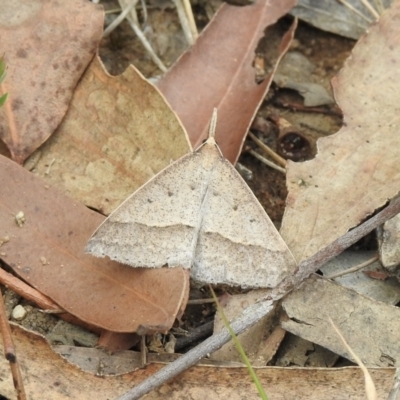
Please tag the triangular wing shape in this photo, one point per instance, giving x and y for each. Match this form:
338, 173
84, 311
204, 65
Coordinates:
197, 213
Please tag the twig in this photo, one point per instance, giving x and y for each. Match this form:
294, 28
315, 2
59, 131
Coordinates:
10, 353
268, 150
113, 11
133, 21
267, 162
190, 16
249, 317
120, 18
353, 269
200, 301
184, 21
194, 335
252, 314
145, 15
28, 292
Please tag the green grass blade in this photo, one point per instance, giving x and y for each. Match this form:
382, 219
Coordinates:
3, 71
3, 99
240, 349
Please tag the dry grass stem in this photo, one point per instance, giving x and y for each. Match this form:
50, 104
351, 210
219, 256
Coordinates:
190, 17
184, 21
353, 269
281, 161
370, 389
120, 18
267, 162
371, 9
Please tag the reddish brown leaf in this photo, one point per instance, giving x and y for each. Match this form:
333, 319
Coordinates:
217, 72
46, 47
104, 293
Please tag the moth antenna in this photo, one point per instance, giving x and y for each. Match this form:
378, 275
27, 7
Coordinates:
213, 124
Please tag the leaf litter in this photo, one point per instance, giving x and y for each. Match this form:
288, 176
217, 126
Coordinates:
44, 367
281, 372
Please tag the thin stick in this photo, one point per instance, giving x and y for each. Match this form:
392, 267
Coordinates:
268, 150
133, 21
267, 162
190, 17
10, 353
119, 19
113, 11
200, 301
353, 269
145, 14
28, 292
252, 314
147, 45
184, 21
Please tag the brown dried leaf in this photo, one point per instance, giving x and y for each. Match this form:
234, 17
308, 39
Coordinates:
98, 291
117, 134
356, 170
217, 72
46, 47
41, 367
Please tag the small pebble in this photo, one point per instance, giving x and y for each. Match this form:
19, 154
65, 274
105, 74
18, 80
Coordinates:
19, 313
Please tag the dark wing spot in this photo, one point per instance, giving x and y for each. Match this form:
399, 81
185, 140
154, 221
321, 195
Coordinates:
235, 207
170, 193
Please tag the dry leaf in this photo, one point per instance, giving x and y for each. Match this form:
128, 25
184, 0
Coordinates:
356, 170
368, 325
336, 17
41, 369
387, 292
217, 72
117, 134
46, 47
103, 293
